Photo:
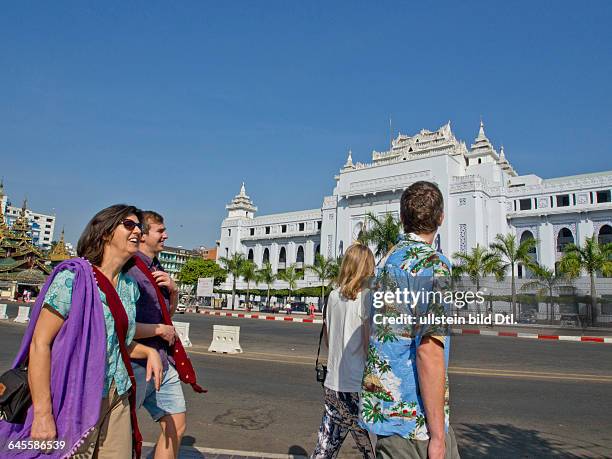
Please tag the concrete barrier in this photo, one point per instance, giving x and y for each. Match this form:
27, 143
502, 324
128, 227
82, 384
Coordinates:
182, 328
3, 315
226, 339
23, 315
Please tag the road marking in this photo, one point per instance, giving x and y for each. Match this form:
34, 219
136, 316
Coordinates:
495, 372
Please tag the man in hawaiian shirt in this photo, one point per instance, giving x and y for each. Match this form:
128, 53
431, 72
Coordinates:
405, 386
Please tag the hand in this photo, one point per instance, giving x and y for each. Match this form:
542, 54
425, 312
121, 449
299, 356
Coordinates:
163, 279
43, 427
436, 448
155, 369
167, 332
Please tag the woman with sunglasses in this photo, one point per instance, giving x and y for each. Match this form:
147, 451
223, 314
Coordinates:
79, 342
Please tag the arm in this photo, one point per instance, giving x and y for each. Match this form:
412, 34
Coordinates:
163, 279
39, 374
155, 368
432, 379
166, 332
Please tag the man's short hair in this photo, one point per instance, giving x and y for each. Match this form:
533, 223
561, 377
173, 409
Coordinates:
421, 207
148, 217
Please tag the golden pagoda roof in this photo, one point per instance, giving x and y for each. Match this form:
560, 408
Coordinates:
59, 252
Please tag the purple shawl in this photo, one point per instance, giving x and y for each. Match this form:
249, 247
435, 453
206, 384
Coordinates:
78, 359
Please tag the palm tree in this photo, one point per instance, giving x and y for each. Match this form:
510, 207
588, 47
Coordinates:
477, 264
233, 265
325, 269
266, 275
291, 276
546, 281
249, 274
593, 257
510, 253
383, 233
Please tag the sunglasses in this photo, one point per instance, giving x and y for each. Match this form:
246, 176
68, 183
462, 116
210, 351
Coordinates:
129, 224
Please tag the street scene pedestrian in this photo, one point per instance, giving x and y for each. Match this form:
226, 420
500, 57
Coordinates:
346, 334
78, 345
155, 306
405, 399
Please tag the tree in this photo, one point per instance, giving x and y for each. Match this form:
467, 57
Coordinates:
545, 282
249, 274
266, 275
291, 276
593, 257
325, 269
233, 265
383, 233
477, 264
195, 268
510, 253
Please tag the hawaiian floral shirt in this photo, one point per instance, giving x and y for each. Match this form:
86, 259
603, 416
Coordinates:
390, 401
59, 297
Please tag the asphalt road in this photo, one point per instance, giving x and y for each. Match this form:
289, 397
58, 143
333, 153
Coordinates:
509, 397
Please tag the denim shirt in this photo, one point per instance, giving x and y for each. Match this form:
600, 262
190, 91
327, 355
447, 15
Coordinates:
148, 310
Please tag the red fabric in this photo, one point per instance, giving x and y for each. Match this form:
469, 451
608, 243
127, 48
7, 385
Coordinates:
184, 367
121, 327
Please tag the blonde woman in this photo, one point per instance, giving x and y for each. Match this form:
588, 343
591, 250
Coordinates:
346, 335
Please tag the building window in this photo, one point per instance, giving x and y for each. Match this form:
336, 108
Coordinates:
603, 196
267, 230
605, 235
300, 255
283, 228
266, 255
525, 204
282, 256
229, 232
301, 227
479, 160
564, 237
319, 224
551, 202
563, 200
252, 231
250, 257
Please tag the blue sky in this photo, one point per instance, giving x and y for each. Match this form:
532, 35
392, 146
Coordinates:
171, 105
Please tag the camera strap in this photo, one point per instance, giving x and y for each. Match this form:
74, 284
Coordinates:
324, 313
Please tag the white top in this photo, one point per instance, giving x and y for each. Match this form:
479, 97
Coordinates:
346, 355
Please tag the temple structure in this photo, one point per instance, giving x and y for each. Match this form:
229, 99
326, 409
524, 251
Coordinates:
484, 196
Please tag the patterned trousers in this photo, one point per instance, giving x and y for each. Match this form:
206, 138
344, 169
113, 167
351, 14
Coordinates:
339, 418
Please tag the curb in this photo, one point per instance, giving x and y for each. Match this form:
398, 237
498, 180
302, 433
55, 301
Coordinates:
582, 339
250, 315
455, 331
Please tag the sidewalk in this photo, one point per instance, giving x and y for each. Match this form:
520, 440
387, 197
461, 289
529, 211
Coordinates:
194, 452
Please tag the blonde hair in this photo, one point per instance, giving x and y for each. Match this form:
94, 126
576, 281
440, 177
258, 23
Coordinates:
357, 266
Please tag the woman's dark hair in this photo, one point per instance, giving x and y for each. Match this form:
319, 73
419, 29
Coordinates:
421, 207
99, 230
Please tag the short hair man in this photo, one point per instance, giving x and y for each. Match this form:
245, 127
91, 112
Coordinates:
408, 409
166, 406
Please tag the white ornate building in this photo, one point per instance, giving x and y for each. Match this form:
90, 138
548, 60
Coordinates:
483, 196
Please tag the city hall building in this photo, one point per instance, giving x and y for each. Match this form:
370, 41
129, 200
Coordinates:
484, 196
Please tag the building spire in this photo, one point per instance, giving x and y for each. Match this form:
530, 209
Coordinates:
481, 132
349, 160
242, 190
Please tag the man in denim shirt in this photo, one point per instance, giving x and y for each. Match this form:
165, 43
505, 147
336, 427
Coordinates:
166, 406
404, 398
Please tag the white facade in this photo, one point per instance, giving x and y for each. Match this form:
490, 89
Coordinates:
483, 195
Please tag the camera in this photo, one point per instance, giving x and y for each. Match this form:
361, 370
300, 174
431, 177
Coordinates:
321, 372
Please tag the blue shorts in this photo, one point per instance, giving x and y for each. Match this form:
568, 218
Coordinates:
168, 400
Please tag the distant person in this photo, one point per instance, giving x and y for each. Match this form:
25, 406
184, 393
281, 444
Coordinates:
405, 386
288, 308
156, 305
346, 334
311, 309
79, 342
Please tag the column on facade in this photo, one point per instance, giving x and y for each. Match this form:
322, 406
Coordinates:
274, 250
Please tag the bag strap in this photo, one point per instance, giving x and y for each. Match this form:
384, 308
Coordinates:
121, 327
322, 331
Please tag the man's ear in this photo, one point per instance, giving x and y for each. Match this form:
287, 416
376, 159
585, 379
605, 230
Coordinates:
441, 219
142, 238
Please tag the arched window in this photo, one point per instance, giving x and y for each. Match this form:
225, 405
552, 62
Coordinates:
250, 257
357, 229
341, 248
318, 249
605, 234
282, 256
300, 255
564, 237
529, 235
266, 255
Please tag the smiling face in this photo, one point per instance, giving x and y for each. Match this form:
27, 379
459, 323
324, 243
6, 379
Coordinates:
124, 241
152, 243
